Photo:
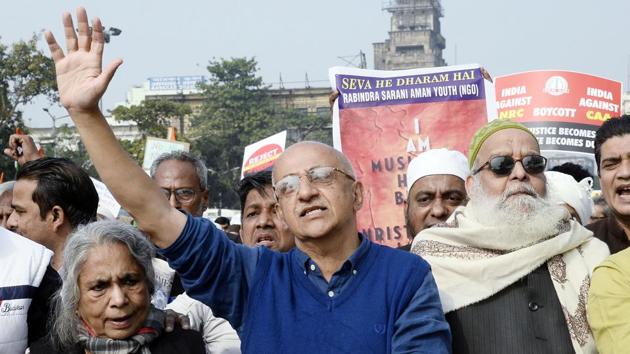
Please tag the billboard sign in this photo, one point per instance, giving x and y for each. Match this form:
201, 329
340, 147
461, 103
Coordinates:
175, 83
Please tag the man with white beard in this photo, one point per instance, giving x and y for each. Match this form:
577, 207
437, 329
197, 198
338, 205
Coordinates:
513, 270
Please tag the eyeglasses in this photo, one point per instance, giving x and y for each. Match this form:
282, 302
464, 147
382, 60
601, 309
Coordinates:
317, 176
503, 165
182, 195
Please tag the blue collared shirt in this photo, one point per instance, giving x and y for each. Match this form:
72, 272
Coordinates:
341, 277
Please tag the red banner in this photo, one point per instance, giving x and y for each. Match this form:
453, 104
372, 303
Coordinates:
562, 108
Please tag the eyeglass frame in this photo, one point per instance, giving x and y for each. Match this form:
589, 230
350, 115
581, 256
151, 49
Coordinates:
307, 174
172, 191
512, 169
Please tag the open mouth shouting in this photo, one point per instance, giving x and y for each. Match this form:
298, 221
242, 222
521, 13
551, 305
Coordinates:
266, 240
623, 191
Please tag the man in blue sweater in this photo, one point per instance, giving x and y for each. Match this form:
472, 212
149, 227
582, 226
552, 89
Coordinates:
334, 293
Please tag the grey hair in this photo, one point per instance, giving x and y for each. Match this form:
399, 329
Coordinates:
6, 187
200, 167
108, 232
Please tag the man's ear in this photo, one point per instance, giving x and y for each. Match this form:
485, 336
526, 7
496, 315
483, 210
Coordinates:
57, 217
358, 195
204, 200
470, 182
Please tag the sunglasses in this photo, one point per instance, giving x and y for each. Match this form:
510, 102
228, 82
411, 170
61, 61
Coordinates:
316, 176
503, 165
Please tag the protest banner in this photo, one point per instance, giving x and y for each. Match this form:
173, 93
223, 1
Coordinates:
155, 147
262, 154
562, 108
382, 119
107, 204
164, 276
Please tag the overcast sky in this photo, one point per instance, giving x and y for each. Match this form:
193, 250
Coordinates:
295, 37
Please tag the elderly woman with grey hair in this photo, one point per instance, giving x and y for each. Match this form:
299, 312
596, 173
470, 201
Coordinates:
104, 305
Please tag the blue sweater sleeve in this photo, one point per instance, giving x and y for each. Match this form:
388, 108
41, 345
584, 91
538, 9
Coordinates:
422, 328
213, 269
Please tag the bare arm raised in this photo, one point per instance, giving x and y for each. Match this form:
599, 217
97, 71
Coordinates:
82, 81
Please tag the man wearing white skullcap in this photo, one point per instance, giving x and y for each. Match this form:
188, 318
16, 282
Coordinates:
435, 187
576, 197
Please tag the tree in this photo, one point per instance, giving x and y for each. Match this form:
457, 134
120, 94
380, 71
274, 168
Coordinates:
238, 110
153, 118
69, 145
307, 126
135, 148
25, 73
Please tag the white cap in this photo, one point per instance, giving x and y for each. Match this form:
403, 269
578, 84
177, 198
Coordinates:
562, 188
437, 162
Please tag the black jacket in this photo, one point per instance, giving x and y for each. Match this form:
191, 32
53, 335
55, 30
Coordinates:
524, 318
40, 311
180, 341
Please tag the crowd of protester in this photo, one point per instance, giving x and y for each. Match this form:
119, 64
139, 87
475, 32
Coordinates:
505, 255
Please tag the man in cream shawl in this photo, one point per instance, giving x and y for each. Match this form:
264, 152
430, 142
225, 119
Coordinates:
512, 268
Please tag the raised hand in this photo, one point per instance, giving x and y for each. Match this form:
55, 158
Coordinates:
22, 149
82, 81
80, 77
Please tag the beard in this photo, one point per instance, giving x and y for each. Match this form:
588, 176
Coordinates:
522, 216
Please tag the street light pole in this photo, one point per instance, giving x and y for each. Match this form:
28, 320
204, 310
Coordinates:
220, 203
108, 34
54, 128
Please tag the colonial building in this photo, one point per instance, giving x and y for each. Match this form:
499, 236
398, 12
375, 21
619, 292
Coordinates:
183, 89
415, 38
52, 138
311, 100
